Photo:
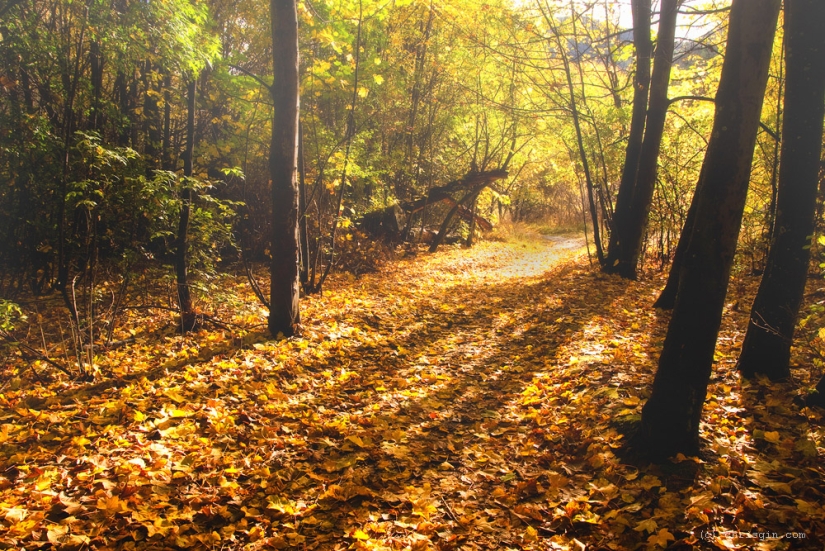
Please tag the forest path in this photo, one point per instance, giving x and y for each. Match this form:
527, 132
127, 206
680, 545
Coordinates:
468, 399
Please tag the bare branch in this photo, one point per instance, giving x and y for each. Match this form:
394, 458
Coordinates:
253, 75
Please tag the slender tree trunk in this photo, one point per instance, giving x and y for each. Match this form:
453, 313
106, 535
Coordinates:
152, 118
284, 314
594, 215
167, 163
96, 66
415, 94
635, 224
641, 87
670, 418
767, 346
187, 317
777, 142
445, 224
471, 235
302, 205
124, 123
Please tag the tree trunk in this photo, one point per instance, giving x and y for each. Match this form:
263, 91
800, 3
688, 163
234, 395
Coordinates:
302, 205
594, 215
96, 66
166, 148
152, 119
284, 314
187, 317
641, 87
124, 124
767, 345
670, 418
635, 223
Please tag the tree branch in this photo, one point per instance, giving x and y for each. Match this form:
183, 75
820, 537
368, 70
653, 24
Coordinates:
253, 75
689, 98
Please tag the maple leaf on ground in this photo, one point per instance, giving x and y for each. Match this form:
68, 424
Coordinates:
661, 538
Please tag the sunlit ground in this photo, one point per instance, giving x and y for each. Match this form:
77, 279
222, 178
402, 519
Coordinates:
471, 399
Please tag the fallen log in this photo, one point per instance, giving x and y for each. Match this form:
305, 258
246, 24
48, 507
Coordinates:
442, 193
467, 215
390, 222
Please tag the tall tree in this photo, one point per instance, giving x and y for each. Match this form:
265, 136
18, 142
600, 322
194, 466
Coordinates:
187, 316
630, 234
767, 346
574, 111
670, 418
641, 88
284, 314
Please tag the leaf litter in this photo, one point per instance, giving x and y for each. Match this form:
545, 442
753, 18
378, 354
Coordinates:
465, 400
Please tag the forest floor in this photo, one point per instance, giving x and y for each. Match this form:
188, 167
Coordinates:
470, 399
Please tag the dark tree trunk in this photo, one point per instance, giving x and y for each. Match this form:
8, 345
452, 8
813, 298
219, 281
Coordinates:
641, 87
471, 235
152, 118
635, 223
187, 316
670, 418
96, 66
767, 345
166, 155
124, 124
283, 160
594, 215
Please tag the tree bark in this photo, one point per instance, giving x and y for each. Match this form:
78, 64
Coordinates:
635, 222
670, 418
284, 314
641, 88
767, 346
187, 317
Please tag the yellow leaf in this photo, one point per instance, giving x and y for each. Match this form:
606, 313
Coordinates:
772, 437
661, 538
531, 534
649, 481
43, 483
56, 533
362, 92
111, 505
81, 441
174, 395
647, 525
378, 79
802, 505
281, 504
355, 440
360, 535
139, 416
